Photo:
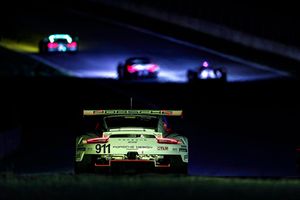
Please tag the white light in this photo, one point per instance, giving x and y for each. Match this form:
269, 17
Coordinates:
204, 74
218, 74
60, 36
140, 67
212, 74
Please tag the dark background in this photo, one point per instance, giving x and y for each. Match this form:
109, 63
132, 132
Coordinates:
237, 129
276, 20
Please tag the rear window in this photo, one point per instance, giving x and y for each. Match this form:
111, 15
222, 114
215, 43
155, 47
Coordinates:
132, 121
131, 136
139, 61
59, 40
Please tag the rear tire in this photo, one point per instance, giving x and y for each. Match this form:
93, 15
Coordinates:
120, 73
43, 48
224, 77
179, 167
192, 76
85, 166
176, 165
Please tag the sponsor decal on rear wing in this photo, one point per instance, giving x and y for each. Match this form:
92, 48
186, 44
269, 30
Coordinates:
135, 112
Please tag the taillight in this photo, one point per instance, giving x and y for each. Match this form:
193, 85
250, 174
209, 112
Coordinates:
153, 68
131, 68
168, 141
97, 140
72, 45
52, 45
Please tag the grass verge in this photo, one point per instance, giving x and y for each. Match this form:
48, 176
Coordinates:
52, 186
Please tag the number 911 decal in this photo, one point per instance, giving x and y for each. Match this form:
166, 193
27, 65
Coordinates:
104, 148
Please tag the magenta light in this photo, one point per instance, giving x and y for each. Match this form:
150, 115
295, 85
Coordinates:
205, 64
52, 45
131, 69
72, 45
153, 68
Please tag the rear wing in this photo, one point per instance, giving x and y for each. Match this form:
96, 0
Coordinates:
133, 112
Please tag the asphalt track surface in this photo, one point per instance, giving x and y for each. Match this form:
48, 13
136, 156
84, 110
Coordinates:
244, 128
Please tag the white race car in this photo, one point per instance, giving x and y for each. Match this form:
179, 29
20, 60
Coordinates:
58, 43
131, 141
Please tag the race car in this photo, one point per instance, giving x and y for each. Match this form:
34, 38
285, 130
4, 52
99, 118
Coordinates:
137, 68
131, 141
58, 43
207, 71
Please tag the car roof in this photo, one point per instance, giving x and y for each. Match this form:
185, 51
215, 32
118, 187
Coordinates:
138, 60
54, 37
213, 67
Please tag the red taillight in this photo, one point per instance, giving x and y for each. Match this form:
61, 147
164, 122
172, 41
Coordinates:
153, 68
168, 141
52, 45
131, 68
72, 45
97, 140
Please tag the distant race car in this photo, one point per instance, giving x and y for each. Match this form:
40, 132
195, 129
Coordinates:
207, 72
137, 68
131, 141
58, 43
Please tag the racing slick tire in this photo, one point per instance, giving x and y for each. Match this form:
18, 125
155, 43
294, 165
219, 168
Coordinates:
43, 48
176, 166
224, 77
191, 76
85, 166
120, 72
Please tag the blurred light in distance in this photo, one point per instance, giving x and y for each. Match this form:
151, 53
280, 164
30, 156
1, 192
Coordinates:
72, 45
131, 68
52, 45
205, 64
24, 47
153, 68
204, 74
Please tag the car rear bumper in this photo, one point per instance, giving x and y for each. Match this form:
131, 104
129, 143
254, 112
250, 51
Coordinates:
141, 75
62, 50
170, 164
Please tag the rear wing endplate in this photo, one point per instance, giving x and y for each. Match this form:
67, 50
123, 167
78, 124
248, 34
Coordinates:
135, 112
